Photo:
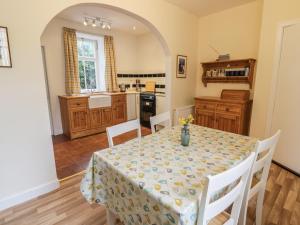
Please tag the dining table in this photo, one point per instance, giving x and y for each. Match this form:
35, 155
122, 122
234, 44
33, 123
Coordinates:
156, 180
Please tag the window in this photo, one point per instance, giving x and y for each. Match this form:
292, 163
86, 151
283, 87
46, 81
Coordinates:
91, 62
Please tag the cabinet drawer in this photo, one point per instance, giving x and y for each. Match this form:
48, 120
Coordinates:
78, 102
208, 106
232, 109
118, 98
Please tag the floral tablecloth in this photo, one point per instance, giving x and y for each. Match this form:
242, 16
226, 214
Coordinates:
158, 181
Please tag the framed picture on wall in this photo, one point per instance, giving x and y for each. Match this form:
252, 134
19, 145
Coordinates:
181, 66
5, 59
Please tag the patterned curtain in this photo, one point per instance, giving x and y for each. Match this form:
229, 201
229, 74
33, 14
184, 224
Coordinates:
110, 64
72, 81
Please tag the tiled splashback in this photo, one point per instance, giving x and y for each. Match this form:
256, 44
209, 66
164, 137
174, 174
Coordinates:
130, 79
155, 75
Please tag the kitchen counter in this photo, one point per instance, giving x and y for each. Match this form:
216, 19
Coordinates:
87, 95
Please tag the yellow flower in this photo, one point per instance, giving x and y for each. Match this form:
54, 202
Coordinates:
186, 121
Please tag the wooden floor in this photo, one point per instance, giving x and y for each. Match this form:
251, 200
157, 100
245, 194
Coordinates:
67, 206
72, 156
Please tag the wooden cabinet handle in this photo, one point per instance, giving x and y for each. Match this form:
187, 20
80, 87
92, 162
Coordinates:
77, 103
227, 109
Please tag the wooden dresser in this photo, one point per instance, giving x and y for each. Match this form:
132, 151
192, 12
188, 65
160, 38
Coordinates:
78, 120
231, 112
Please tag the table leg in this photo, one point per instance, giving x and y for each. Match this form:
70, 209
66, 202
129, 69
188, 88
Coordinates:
111, 218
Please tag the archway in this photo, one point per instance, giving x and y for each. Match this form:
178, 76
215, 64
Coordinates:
149, 26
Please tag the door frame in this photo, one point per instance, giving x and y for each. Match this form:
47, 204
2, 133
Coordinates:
275, 77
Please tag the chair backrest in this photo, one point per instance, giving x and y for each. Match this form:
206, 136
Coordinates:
160, 118
263, 158
121, 129
264, 151
236, 176
183, 112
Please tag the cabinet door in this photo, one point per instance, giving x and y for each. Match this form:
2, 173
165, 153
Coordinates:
131, 107
96, 118
106, 117
119, 112
227, 122
205, 119
79, 119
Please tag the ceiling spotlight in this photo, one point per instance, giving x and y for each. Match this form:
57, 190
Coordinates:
103, 26
134, 28
108, 26
85, 23
94, 23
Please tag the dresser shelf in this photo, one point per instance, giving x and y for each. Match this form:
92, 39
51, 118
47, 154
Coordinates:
217, 66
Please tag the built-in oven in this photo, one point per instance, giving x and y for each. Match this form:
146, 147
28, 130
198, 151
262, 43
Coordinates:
147, 107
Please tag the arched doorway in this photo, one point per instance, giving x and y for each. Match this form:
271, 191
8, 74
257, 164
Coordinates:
65, 169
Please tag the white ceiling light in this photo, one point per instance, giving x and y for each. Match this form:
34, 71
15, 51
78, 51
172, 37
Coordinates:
85, 22
96, 21
134, 28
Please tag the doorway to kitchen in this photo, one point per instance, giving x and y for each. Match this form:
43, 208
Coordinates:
78, 123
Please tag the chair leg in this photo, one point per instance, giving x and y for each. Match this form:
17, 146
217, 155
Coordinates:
111, 218
259, 207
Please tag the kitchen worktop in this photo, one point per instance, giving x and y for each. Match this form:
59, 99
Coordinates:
87, 95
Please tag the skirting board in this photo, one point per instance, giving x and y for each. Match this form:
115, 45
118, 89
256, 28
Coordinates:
286, 168
16, 199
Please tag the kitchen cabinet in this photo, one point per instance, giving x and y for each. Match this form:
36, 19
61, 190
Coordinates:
119, 109
231, 112
205, 119
106, 117
133, 105
161, 104
96, 117
79, 120
227, 122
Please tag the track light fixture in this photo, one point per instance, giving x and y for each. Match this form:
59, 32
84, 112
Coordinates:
97, 22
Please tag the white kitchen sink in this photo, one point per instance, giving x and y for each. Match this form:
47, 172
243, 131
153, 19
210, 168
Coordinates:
99, 101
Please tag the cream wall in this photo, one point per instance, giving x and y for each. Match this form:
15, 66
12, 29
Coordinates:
150, 55
234, 31
26, 152
274, 13
134, 53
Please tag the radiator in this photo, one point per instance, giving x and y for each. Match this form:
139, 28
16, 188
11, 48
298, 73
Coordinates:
184, 111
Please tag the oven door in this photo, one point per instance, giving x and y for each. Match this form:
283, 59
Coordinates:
148, 109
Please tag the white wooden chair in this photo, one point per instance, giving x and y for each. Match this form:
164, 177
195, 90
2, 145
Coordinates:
164, 118
212, 212
261, 166
183, 112
121, 129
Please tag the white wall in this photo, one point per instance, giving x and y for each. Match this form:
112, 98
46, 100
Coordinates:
26, 152
234, 31
134, 54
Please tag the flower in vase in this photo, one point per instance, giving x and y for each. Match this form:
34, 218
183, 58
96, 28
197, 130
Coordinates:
186, 121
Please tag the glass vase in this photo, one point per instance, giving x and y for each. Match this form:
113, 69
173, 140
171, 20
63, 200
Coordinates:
185, 135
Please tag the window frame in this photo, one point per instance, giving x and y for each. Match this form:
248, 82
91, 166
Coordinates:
98, 41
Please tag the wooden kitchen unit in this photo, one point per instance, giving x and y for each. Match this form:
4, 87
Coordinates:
78, 120
231, 112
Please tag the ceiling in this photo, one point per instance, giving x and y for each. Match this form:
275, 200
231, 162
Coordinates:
205, 7
120, 21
